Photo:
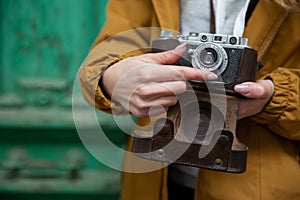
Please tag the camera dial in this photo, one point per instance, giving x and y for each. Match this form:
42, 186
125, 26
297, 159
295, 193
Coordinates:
210, 57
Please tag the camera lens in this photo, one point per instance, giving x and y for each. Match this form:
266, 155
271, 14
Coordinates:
208, 56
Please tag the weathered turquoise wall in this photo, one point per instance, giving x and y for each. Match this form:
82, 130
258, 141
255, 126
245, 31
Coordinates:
42, 44
45, 38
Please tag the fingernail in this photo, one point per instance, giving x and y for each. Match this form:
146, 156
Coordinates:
245, 89
212, 76
180, 47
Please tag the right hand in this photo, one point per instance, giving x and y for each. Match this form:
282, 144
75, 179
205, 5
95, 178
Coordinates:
147, 85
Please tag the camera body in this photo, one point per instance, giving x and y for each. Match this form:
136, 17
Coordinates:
227, 56
200, 130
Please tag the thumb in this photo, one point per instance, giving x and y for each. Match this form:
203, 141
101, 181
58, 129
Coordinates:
166, 57
259, 90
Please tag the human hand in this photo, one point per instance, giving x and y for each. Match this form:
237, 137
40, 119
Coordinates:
147, 85
258, 95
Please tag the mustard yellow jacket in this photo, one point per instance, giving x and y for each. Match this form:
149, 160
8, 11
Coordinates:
273, 170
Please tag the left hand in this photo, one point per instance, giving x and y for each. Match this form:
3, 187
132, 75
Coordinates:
258, 95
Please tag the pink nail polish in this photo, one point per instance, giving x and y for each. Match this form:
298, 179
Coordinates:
179, 47
212, 76
242, 89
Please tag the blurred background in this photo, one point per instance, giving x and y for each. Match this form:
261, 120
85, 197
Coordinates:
42, 44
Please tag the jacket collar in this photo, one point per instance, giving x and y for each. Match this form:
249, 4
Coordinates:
264, 23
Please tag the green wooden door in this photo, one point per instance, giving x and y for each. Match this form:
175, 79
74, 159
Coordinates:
43, 43
45, 40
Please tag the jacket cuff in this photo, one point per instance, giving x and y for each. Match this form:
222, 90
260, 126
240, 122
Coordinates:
279, 101
101, 97
106, 104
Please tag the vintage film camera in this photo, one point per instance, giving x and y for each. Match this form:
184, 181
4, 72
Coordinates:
200, 130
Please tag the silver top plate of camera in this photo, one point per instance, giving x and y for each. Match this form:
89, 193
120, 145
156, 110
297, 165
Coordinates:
197, 38
209, 53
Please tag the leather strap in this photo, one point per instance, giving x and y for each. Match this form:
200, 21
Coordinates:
250, 9
212, 18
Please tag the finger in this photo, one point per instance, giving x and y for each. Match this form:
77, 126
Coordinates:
140, 113
162, 73
157, 110
154, 89
149, 112
145, 103
165, 101
189, 73
166, 57
259, 90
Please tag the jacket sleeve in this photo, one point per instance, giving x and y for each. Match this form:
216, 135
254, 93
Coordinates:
119, 38
282, 114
